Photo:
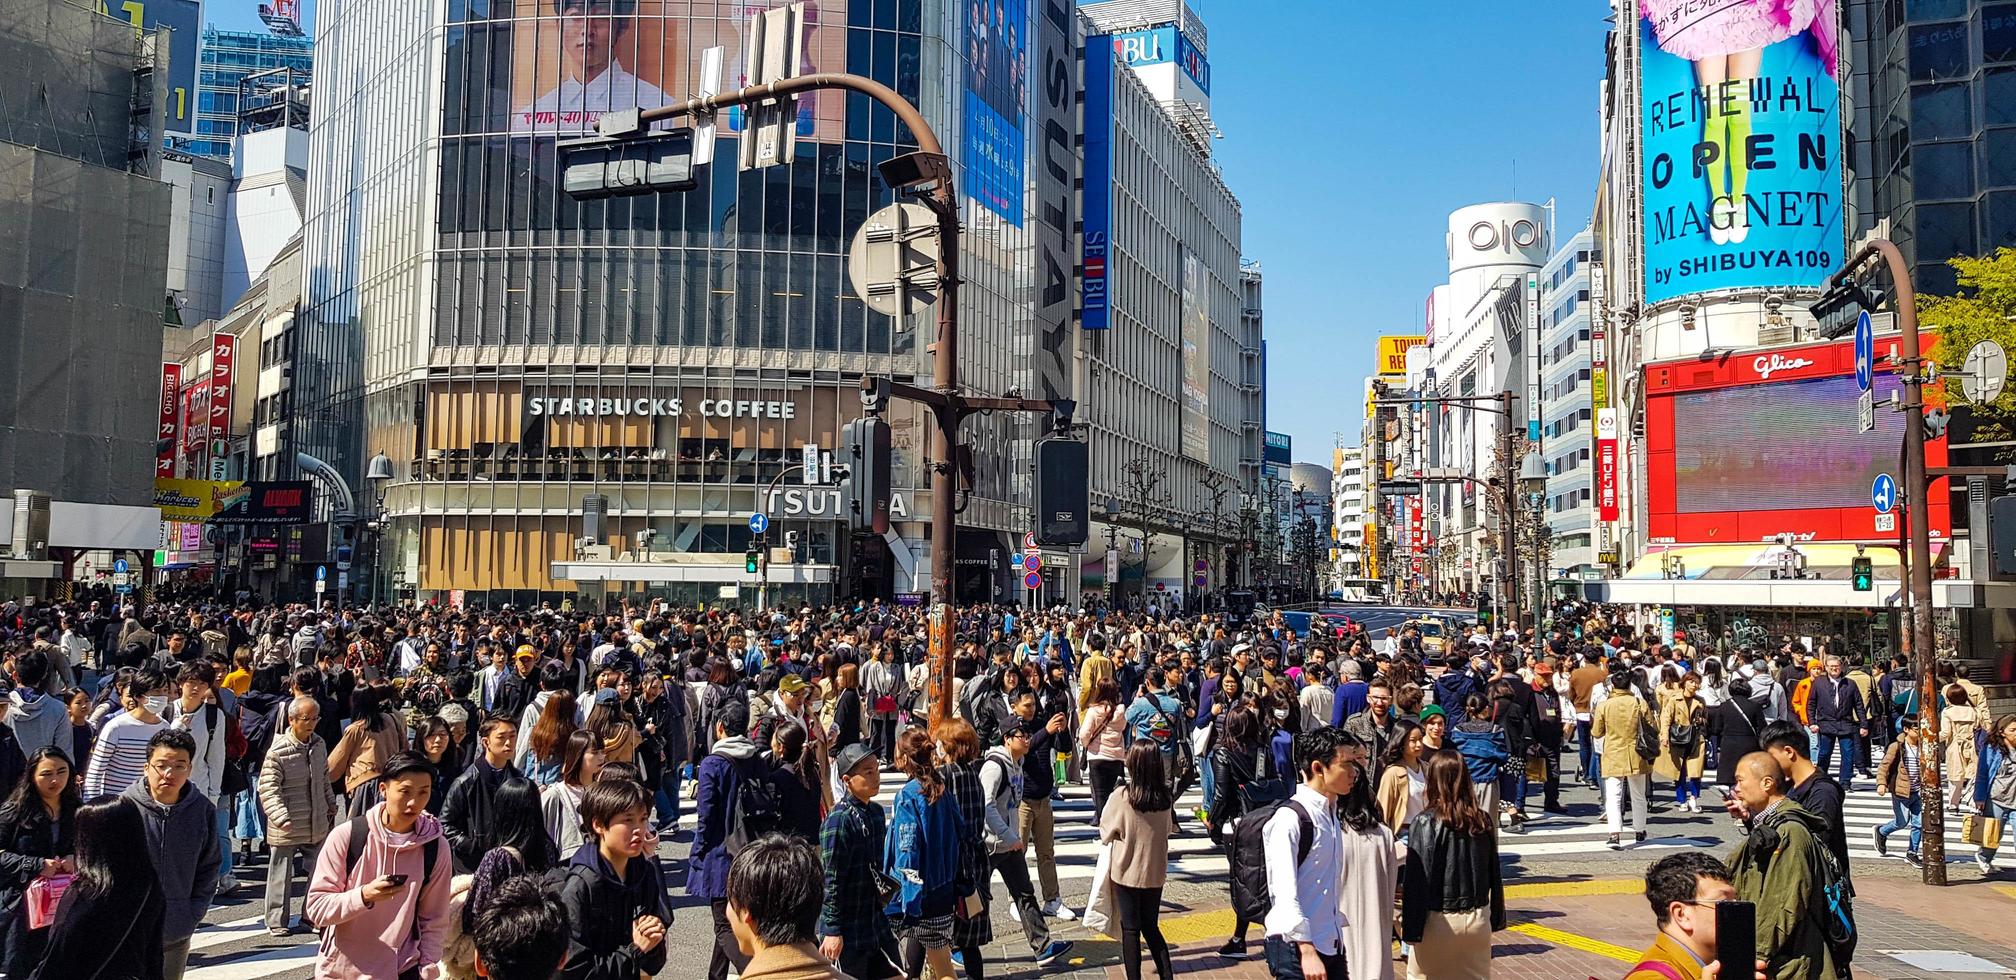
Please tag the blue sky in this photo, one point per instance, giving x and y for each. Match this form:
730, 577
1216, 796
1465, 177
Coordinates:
1421, 108
1418, 109
243, 15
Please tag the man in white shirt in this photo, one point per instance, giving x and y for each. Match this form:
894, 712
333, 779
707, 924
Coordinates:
593, 81
1305, 930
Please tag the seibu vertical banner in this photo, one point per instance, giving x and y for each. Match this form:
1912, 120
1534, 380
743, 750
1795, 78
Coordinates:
223, 369
165, 436
1606, 465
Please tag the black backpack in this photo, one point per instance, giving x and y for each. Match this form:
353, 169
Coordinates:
1648, 737
756, 809
1250, 896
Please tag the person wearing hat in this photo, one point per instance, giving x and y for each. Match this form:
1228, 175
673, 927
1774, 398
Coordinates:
519, 685
853, 927
1550, 720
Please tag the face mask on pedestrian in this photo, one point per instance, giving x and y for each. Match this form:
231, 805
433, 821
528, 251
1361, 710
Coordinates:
156, 703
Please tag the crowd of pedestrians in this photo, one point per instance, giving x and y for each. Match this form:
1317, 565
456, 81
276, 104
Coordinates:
419, 782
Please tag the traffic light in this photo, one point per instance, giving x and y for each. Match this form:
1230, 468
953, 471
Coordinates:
1063, 508
749, 559
864, 494
1863, 573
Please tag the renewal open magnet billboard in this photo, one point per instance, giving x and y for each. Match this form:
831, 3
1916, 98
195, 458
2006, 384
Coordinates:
1742, 145
570, 61
997, 89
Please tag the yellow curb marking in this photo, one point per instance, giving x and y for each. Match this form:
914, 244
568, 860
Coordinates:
1573, 941
2009, 890
1570, 889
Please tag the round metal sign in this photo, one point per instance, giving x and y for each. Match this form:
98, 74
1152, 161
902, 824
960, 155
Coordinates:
1984, 371
1032, 580
893, 261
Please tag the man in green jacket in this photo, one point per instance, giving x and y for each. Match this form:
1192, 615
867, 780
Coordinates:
1772, 868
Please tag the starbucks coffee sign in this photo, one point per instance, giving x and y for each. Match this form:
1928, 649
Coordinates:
713, 408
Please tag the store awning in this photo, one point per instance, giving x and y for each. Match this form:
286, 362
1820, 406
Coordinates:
1741, 575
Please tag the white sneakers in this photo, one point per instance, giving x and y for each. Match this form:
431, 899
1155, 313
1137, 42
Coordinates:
1056, 909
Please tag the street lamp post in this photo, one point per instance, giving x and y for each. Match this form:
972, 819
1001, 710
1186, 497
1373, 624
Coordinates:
378, 474
1843, 291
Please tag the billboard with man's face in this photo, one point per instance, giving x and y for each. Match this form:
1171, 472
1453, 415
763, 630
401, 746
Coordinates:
563, 63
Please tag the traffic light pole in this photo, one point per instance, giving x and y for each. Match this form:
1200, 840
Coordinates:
1508, 472
1918, 488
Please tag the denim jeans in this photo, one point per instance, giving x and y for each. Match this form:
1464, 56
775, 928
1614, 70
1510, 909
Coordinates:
1512, 784
1210, 779
1904, 813
1284, 961
668, 797
222, 823
1585, 752
1687, 788
250, 824
1827, 744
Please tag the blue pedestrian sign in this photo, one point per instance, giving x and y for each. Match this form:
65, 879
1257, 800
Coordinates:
119, 565
758, 523
1865, 352
1015, 561
321, 573
1883, 493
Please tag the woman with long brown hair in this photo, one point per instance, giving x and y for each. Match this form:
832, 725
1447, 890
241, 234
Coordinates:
1452, 894
959, 767
1137, 830
582, 759
923, 855
543, 755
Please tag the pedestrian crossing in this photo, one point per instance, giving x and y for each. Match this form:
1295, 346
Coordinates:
234, 944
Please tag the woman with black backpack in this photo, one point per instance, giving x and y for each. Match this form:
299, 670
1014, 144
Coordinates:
1247, 777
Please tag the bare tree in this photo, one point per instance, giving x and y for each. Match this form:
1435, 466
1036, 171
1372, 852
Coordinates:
1144, 501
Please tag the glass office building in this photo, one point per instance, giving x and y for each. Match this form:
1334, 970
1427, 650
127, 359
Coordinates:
515, 351
228, 57
1935, 83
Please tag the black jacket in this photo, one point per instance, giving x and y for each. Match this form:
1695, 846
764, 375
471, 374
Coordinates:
600, 910
1836, 706
799, 805
1448, 872
513, 694
846, 719
106, 935
466, 818
1232, 770
27, 838
1735, 722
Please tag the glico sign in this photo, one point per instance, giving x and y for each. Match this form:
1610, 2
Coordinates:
1745, 448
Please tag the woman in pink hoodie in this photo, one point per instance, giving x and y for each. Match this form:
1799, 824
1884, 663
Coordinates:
381, 884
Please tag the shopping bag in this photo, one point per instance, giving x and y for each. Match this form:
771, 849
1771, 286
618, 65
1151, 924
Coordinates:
1099, 905
43, 895
1982, 831
1536, 770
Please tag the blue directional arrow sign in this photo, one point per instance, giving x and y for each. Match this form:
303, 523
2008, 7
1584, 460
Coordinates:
1015, 561
1865, 351
119, 565
758, 523
1883, 493
321, 573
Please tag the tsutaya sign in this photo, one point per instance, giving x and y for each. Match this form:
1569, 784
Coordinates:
824, 502
713, 408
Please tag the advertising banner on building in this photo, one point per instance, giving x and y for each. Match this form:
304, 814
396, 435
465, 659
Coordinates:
569, 61
996, 90
195, 420
182, 20
1742, 145
223, 370
1196, 330
1606, 465
1393, 353
167, 437
1092, 309
193, 500
1054, 130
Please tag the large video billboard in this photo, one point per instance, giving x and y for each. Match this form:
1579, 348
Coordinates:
1749, 447
997, 89
1742, 145
563, 63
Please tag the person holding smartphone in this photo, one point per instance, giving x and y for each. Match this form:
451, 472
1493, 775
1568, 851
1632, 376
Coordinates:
382, 879
1689, 892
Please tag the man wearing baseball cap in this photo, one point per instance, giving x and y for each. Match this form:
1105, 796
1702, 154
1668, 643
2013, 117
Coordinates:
853, 929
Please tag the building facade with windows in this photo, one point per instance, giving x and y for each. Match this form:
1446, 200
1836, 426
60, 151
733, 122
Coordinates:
1171, 346
1567, 427
228, 58
516, 353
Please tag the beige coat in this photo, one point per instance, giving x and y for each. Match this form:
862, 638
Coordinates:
1616, 722
1957, 725
1680, 710
361, 753
294, 789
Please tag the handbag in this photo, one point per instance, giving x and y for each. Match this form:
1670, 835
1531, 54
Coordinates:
886, 886
1981, 831
43, 895
885, 703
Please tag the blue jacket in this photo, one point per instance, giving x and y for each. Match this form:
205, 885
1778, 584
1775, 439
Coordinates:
1483, 748
1055, 648
922, 853
1989, 761
1452, 689
720, 778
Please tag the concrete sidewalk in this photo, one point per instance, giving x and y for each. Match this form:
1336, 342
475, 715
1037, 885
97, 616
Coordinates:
1568, 930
